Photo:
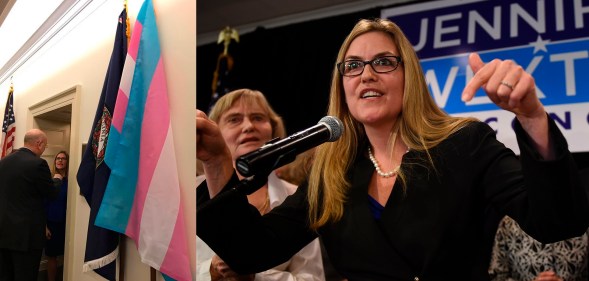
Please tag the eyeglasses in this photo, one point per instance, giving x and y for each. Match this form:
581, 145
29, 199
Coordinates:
384, 64
60, 158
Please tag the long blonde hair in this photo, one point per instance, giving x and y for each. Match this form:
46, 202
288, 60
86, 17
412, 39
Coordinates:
422, 125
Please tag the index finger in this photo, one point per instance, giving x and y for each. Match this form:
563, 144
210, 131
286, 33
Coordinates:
482, 73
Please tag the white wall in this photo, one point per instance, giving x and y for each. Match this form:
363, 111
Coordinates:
79, 55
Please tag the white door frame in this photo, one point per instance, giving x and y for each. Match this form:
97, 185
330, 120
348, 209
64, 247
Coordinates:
69, 96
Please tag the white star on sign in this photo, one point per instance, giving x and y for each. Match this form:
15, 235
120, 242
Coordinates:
540, 45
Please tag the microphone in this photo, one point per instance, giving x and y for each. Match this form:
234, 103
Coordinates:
279, 152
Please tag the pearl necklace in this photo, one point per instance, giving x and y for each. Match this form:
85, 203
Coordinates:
377, 167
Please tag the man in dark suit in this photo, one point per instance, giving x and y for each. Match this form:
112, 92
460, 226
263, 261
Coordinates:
25, 181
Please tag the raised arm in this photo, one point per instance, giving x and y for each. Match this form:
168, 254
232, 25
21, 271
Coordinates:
512, 89
212, 150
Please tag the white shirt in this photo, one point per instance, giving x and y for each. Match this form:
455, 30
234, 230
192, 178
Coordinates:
304, 265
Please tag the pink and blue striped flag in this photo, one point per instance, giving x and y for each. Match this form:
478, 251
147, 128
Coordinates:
142, 197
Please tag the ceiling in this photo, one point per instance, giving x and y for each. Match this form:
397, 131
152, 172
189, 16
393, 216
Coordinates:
246, 15
5, 8
24, 20
22, 23
5, 5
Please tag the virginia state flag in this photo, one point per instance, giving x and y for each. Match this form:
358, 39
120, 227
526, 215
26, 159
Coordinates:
101, 243
142, 197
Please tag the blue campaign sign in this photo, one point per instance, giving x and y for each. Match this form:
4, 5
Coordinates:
549, 39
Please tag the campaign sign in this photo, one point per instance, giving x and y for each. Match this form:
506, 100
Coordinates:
548, 38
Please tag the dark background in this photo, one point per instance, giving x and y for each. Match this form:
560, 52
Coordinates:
291, 65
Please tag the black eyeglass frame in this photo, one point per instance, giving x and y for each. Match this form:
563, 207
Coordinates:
398, 59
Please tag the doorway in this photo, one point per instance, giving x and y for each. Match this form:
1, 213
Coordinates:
57, 125
56, 116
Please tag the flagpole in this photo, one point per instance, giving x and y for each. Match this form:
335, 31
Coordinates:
9, 126
121, 258
152, 274
102, 253
127, 23
220, 86
122, 239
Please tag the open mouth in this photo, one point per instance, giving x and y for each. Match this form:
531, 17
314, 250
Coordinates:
371, 94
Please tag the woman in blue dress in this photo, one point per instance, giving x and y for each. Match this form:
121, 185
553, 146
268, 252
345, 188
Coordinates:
56, 211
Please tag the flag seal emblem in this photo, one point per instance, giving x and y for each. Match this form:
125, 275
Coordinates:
100, 136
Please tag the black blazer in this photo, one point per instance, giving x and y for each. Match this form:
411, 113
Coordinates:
433, 231
25, 181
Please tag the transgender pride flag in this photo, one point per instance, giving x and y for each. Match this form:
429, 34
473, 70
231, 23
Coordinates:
142, 197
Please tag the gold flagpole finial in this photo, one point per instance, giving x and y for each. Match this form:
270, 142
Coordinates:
226, 35
127, 23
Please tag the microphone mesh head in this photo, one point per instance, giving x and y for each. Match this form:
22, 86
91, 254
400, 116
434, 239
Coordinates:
335, 126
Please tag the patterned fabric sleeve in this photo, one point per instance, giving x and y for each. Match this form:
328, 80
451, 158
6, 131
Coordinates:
499, 268
517, 256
